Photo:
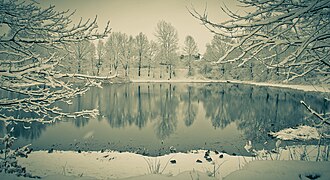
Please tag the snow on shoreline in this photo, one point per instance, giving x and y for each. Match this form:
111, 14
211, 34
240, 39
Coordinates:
117, 165
275, 170
192, 165
307, 88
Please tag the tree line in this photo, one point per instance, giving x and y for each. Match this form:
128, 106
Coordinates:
120, 53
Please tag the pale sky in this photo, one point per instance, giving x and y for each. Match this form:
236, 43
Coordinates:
134, 16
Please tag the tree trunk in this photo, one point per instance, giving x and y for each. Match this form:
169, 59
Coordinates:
251, 71
79, 66
92, 67
160, 71
149, 70
110, 68
189, 66
98, 67
140, 59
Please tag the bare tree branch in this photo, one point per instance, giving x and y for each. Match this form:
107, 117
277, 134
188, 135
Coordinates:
323, 121
29, 57
298, 30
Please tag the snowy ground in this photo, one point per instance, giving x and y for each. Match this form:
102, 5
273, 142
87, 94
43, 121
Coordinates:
115, 165
311, 88
182, 77
275, 170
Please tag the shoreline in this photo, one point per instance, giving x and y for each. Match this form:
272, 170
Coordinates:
324, 88
125, 165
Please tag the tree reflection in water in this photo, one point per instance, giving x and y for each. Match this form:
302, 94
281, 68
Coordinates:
167, 119
174, 108
27, 131
189, 105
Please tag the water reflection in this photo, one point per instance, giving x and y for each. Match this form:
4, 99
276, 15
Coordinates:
177, 112
190, 106
26, 130
167, 119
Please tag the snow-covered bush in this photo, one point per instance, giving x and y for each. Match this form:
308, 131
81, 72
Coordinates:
8, 161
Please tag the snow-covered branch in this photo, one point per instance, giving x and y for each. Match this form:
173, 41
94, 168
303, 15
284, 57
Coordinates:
323, 120
83, 76
281, 33
30, 83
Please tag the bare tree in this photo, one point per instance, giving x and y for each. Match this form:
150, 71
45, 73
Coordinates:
119, 49
190, 49
113, 51
28, 60
152, 52
100, 55
167, 38
127, 51
30, 83
295, 33
81, 54
142, 45
214, 51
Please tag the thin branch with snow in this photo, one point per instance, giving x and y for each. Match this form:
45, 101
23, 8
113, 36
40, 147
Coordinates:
323, 120
281, 33
29, 55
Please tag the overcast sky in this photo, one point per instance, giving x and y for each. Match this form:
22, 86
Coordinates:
134, 16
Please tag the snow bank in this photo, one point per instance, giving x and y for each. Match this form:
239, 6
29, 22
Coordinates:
192, 165
299, 133
116, 165
274, 170
189, 175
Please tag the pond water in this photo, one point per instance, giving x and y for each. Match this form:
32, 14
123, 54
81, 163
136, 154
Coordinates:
149, 118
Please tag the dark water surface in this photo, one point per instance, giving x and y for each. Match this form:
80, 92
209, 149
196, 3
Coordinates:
150, 118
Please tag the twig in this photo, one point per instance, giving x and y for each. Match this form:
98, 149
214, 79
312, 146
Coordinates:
315, 113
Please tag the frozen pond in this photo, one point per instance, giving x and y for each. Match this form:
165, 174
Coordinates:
150, 118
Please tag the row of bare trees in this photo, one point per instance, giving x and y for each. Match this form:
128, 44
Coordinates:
122, 51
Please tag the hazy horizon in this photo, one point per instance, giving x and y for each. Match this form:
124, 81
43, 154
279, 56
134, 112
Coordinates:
134, 16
